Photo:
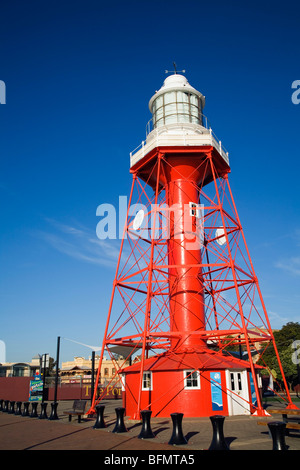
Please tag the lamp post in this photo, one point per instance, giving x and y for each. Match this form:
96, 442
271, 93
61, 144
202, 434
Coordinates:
53, 414
93, 376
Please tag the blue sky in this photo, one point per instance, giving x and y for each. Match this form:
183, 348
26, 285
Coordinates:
79, 76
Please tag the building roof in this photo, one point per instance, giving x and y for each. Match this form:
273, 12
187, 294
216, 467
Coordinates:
199, 360
76, 367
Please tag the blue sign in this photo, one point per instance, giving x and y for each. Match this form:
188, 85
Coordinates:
252, 388
216, 391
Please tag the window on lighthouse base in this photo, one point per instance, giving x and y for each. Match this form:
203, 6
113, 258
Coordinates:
191, 379
147, 381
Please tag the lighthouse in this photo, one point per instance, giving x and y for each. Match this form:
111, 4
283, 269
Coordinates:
186, 311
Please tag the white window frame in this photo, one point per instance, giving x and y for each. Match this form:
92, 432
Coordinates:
196, 210
188, 376
147, 376
123, 382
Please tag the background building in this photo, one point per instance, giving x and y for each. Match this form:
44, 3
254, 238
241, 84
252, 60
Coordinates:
80, 369
21, 369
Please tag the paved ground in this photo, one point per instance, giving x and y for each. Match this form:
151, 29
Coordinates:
20, 433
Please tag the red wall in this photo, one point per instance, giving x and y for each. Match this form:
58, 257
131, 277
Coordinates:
17, 389
169, 396
14, 388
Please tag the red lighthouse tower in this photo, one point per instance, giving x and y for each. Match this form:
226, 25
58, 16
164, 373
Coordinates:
186, 310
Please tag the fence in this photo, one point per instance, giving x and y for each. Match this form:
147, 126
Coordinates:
17, 389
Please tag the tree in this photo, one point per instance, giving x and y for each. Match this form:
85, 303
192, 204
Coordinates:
52, 364
284, 339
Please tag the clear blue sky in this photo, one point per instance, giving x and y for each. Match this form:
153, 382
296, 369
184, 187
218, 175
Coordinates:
79, 75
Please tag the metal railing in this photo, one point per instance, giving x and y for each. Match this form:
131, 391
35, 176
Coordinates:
205, 123
202, 118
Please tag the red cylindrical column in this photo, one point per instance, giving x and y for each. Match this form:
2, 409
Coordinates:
185, 274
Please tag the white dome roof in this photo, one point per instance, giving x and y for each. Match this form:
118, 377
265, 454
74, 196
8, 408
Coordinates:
176, 82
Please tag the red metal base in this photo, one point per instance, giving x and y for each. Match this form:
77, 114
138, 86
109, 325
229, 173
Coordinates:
171, 372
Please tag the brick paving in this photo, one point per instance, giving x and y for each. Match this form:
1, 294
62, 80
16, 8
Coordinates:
20, 433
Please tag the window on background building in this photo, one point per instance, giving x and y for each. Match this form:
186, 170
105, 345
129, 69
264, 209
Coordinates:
105, 370
18, 371
192, 379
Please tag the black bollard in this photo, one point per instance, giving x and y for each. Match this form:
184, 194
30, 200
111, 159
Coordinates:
277, 430
218, 440
120, 426
177, 437
43, 414
34, 413
100, 423
146, 431
53, 414
11, 407
6, 405
26, 409
18, 408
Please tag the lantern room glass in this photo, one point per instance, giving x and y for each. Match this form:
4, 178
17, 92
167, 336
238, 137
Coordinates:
176, 107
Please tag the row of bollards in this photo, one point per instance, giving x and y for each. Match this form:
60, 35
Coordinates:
276, 428
177, 437
15, 407
218, 442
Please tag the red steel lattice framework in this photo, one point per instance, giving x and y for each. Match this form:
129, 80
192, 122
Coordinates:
161, 273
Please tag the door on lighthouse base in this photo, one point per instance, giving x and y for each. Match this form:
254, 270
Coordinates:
238, 392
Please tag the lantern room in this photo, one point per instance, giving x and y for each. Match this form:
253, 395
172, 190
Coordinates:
176, 102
